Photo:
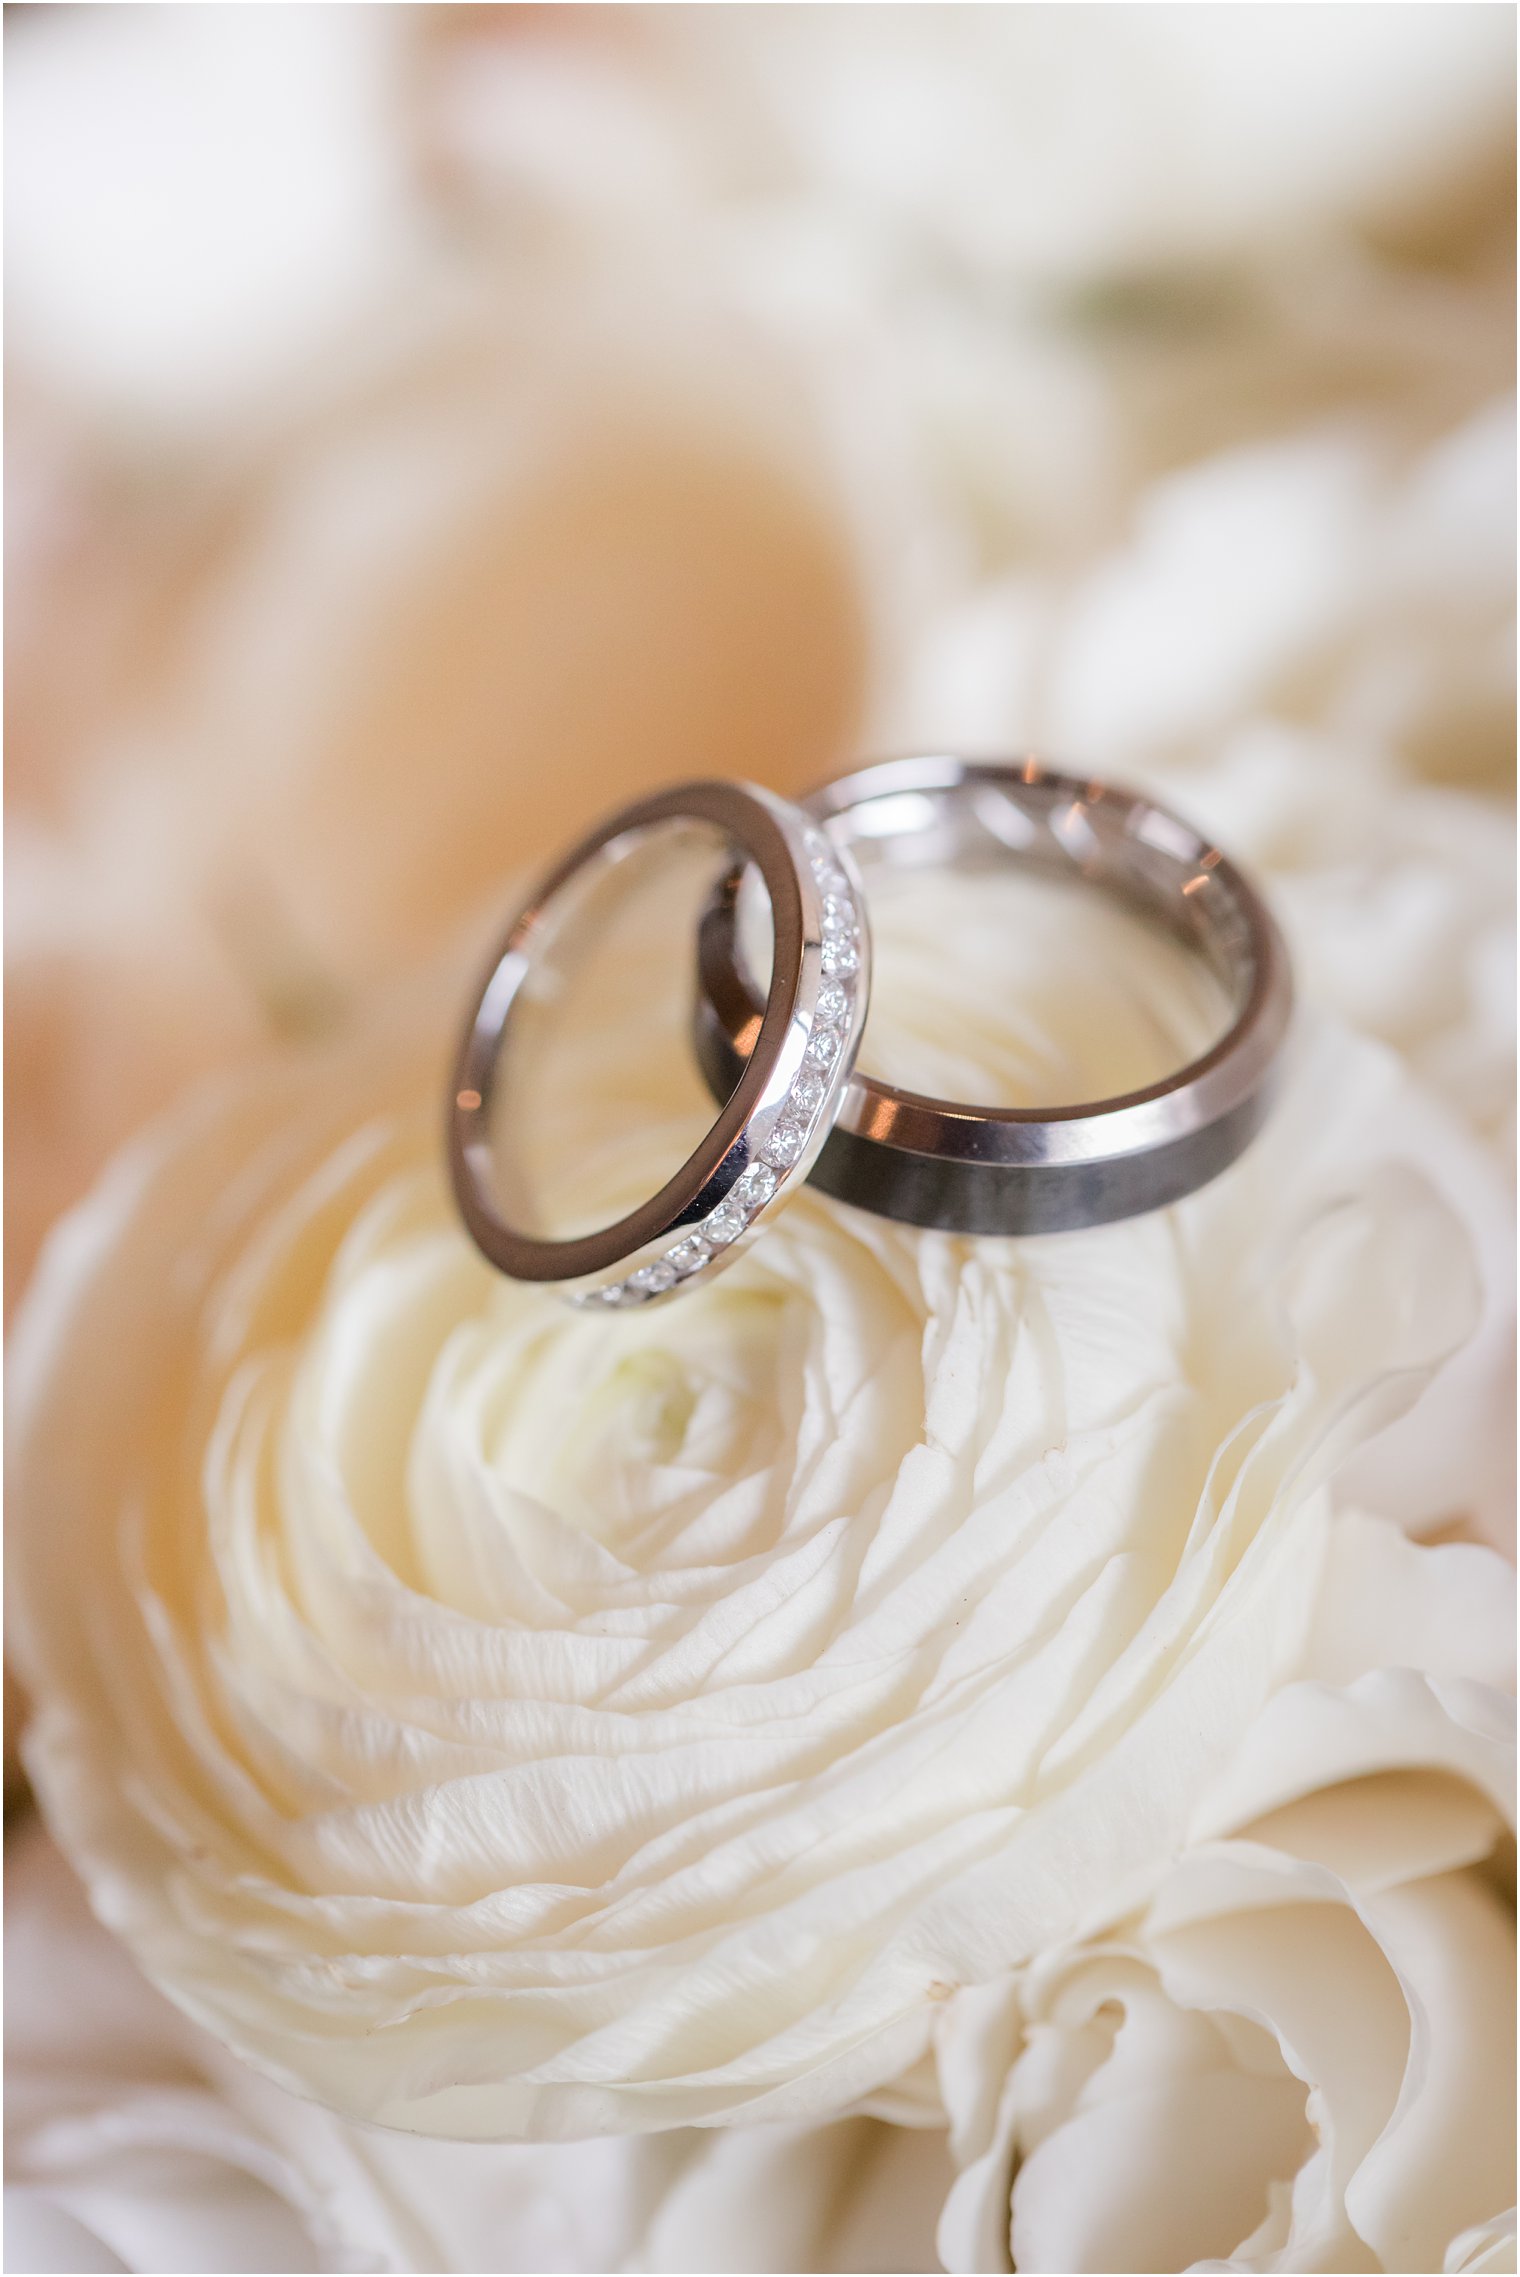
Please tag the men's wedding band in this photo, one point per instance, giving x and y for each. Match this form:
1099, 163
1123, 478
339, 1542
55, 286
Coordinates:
1017, 1170
796, 1049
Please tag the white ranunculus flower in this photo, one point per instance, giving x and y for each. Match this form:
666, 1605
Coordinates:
1328, 699
1399, 896
1398, 901
134, 2141
496, 1721
1296, 2052
1325, 579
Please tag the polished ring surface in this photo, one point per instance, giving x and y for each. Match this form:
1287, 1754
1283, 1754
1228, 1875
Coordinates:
796, 1051
1014, 1170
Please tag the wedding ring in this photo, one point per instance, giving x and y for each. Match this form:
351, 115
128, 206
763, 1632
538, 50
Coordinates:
793, 1053
1017, 1170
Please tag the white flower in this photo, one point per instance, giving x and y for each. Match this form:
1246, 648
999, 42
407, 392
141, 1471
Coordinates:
129, 2130
494, 1720
1295, 2053
1398, 900
132, 2135
1303, 646
1322, 579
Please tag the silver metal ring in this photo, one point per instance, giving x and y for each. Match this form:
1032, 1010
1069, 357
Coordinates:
932, 1162
793, 1056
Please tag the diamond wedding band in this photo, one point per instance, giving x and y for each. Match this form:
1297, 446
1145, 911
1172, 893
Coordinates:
795, 1050
1015, 1170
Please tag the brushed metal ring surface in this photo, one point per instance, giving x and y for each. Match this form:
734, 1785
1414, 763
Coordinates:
1015, 1170
795, 1054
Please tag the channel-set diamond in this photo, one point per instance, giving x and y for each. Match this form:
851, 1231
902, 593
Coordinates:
649, 1280
787, 1143
792, 1130
726, 1222
757, 1185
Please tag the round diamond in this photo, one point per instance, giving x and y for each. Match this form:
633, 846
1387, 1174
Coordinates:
808, 1090
651, 1279
787, 1141
823, 1046
727, 1222
840, 955
831, 880
819, 848
832, 1001
756, 1186
838, 916
688, 1254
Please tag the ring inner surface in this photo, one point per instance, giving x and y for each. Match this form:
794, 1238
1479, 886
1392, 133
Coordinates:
1035, 951
596, 1100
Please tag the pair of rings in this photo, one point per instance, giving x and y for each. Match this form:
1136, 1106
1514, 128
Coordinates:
782, 1062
